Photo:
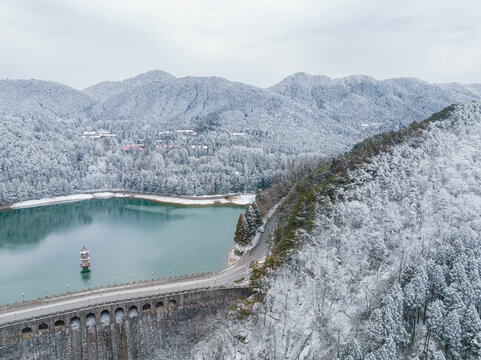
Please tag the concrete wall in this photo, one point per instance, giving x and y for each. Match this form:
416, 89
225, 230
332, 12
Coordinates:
160, 327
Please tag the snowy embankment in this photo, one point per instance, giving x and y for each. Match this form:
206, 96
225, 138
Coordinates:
240, 199
234, 199
238, 251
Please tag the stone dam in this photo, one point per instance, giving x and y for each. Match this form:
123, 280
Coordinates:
166, 326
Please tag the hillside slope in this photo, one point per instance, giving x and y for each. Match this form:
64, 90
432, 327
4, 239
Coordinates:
42, 101
391, 268
244, 136
392, 102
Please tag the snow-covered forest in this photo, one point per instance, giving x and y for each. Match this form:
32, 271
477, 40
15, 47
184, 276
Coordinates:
160, 134
392, 266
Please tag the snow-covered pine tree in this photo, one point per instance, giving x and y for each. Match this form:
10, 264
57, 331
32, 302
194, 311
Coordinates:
242, 235
250, 217
415, 294
471, 333
257, 213
452, 335
438, 282
393, 315
435, 319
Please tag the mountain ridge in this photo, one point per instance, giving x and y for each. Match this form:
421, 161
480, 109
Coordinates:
299, 119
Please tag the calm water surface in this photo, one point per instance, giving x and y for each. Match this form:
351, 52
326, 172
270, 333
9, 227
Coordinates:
39, 247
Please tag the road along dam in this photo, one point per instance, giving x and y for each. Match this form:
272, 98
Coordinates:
151, 327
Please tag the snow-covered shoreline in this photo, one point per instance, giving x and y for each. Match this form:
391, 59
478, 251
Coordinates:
229, 199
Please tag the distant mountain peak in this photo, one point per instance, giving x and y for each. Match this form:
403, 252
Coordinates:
106, 89
304, 77
152, 75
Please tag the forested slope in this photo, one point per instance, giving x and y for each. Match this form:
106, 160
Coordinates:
241, 137
389, 267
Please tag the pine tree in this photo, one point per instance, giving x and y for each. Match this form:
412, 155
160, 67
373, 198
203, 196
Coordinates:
242, 235
375, 329
393, 315
415, 296
453, 300
250, 217
452, 335
471, 333
457, 274
438, 281
257, 213
435, 319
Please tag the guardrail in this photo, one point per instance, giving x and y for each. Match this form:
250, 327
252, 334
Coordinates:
98, 288
118, 302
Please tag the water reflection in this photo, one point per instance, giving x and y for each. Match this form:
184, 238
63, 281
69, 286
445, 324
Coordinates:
39, 247
85, 273
24, 227
27, 227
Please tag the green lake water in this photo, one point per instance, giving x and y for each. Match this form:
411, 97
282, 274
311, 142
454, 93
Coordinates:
39, 247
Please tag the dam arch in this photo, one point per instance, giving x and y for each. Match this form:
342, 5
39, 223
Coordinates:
143, 334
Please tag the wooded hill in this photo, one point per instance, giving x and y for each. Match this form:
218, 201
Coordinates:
160, 134
377, 254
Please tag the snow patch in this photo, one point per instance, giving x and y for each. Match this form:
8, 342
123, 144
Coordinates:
51, 201
103, 195
241, 199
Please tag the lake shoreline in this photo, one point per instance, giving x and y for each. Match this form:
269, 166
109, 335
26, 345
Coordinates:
126, 235
240, 199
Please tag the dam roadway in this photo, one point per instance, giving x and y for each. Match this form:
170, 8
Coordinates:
70, 302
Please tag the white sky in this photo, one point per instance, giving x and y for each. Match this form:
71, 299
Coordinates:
81, 42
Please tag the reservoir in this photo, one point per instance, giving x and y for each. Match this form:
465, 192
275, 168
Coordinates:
128, 239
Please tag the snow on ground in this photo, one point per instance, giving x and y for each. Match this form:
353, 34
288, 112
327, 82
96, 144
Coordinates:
237, 251
50, 201
240, 199
181, 201
243, 199
103, 195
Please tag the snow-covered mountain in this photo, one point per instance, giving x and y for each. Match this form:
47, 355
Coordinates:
42, 100
301, 103
245, 136
391, 268
357, 97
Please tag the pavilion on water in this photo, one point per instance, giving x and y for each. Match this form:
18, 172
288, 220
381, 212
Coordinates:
84, 257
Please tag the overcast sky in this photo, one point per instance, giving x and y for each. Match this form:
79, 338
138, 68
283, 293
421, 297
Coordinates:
82, 42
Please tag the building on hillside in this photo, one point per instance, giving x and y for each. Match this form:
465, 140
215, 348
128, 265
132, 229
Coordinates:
371, 126
99, 134
186, 132
134, 147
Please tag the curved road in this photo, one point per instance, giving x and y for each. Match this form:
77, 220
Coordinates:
71, 302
